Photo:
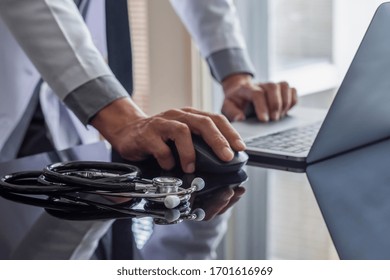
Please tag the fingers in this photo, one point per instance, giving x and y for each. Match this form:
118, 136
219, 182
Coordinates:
289, 97
286, 96
232, 111
218, 202
261, 105
163, 154
216, 131
149, 136
238, 193
204, 126
271, 101
178, 125
280, 98
294, 97
274, 100
236, 102
180, 134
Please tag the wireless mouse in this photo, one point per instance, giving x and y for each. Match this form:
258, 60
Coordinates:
208, 161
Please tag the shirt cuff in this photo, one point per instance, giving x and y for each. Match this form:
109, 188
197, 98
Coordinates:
229, 61
88, 99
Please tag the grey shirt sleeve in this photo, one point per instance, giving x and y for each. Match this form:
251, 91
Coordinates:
89, 98
229, 61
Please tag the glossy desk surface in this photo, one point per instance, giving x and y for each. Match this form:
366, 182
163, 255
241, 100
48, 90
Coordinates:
352, 191
220, 193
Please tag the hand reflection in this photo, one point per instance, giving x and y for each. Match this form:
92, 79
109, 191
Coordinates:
218, 201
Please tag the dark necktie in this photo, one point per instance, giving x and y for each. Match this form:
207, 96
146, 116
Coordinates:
120, 62
118, 42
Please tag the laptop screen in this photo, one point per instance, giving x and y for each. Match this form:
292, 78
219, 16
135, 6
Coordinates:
360, 112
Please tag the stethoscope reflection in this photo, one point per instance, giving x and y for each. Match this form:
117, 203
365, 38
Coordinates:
202, 206
71, 192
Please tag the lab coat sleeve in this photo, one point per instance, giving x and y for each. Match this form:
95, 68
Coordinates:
55, 38
51, 238
215, 28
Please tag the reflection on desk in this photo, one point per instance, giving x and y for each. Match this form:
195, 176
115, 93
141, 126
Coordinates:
220, 193
353, 192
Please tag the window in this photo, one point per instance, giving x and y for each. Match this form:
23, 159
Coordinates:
301, 43
308, 43
301, 33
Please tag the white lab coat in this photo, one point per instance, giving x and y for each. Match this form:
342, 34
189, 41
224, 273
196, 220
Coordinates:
18, 78
67, 56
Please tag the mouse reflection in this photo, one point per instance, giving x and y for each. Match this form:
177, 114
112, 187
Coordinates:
218, 201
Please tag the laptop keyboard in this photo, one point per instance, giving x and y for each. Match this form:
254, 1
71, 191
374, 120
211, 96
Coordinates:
295, 140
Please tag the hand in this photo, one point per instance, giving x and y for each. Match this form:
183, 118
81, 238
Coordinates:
136, 136
271, 101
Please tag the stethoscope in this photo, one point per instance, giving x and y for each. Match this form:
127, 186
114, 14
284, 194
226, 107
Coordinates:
70, 186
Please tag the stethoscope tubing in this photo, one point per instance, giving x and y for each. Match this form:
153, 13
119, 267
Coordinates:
51, 180
64, 187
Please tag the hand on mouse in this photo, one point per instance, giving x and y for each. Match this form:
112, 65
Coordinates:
136, 136
271, 101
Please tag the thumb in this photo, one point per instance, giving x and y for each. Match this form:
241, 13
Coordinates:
232, 111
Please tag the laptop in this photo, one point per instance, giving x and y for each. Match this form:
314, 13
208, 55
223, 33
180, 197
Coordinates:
359, 114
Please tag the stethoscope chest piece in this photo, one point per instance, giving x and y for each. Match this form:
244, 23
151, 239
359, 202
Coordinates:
167, 184
170, 187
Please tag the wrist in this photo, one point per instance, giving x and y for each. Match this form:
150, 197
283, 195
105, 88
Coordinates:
115, 116
234, 81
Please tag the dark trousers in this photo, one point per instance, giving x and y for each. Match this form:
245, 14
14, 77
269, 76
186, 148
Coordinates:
36, 140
